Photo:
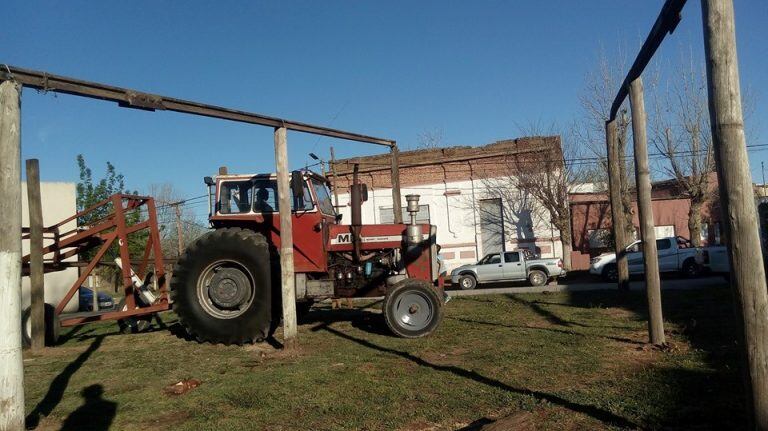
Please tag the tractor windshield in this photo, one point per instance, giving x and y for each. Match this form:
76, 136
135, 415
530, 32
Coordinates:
258, 195
323, 198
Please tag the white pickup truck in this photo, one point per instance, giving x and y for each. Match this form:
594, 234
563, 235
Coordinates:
676, 254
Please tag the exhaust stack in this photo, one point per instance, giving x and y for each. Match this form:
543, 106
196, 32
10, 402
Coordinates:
413, 231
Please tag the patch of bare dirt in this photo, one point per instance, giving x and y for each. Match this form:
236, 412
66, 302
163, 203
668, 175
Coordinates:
519, 421
419, 425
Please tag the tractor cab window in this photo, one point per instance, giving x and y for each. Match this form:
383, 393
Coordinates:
323, 198
235, 197
265, 197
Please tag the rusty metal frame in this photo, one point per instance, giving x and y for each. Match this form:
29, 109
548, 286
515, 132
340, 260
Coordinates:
103, 233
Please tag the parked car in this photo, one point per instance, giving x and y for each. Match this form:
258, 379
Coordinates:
716, 259
676, 254
106, 302
507, 266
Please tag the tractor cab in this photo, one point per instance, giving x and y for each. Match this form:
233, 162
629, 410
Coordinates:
257, 195
251, 201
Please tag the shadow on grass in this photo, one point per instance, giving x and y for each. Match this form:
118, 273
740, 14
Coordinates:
95, 414
604, 416
560, 331
59, 384
362, 319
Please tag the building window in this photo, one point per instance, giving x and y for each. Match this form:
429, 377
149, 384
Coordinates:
704, 234
386, 215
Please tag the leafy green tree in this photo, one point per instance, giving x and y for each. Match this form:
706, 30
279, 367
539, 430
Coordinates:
90, 192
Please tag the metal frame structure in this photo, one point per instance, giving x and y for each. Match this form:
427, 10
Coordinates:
101, 234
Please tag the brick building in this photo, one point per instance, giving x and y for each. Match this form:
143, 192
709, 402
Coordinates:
467, 192
591, 219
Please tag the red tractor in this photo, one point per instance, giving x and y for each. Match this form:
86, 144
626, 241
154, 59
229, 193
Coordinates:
226, 286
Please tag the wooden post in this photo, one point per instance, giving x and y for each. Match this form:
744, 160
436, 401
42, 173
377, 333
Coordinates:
397, 209
335, 179
645, 209
36, 277
179, 231
737, 200
11, 366
286, 239
617, 218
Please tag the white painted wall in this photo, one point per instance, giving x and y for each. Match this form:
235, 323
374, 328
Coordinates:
457, 219
59, 202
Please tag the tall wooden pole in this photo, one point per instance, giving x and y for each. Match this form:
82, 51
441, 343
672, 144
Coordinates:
179, 231
36, 274
11, 366
617, 218
645, 208
397, 209
737, 199
286, 239
335, 179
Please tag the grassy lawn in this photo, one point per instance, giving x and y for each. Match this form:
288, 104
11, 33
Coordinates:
530, 361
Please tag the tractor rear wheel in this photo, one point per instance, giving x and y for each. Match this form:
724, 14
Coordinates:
412, 308
221, 287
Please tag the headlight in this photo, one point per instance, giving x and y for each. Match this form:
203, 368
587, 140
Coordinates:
594, 260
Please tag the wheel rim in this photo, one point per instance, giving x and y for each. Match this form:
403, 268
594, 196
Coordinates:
613, 274
537, 278
225, 289
466, 283
413, 311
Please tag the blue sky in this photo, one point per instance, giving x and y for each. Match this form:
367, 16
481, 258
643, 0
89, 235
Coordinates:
475, 70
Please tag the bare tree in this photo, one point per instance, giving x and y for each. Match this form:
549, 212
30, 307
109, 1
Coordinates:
600, 88
538, 184
171, 222
429, 139
680, 131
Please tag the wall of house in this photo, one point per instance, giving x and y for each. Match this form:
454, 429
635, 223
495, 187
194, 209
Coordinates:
59, 203
591, 212
454, 209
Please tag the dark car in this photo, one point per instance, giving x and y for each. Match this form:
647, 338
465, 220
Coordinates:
106, 302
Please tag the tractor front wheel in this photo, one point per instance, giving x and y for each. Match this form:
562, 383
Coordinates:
412, 308
221, 287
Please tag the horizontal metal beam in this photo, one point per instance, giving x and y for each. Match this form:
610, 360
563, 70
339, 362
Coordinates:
665, 24
129, 98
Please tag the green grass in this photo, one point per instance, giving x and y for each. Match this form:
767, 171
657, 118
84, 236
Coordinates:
559, 361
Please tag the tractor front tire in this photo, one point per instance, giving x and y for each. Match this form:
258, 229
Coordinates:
413, 309
222, 287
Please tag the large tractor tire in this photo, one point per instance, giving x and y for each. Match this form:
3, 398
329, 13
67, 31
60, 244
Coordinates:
413, 309
52, 326
221, 287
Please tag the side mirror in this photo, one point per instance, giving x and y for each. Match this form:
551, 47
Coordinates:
208, 181
338, 217
363, 192
297, 184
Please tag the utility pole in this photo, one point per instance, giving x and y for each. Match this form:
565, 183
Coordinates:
284, 193
737, 201
617, 218
11, 365
36, 272
645, 208
397, 207
335, 179
179, 231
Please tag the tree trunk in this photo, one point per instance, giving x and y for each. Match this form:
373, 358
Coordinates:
694, 223
567, 249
